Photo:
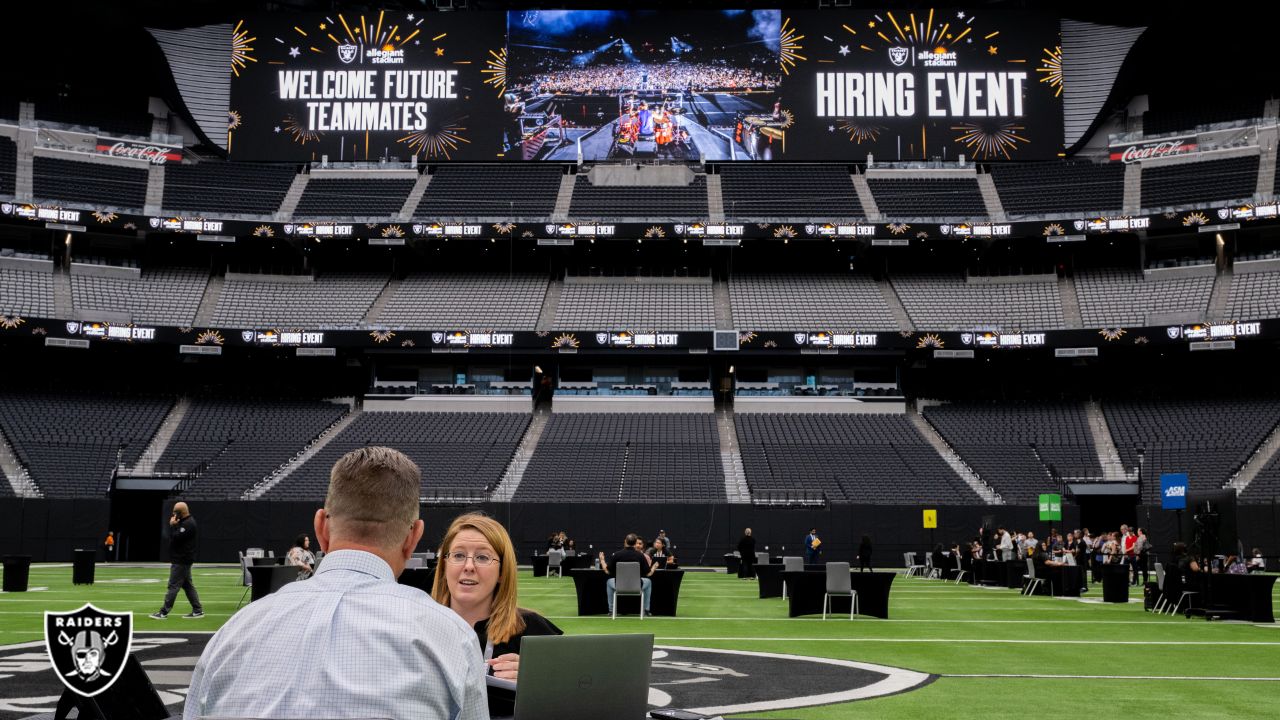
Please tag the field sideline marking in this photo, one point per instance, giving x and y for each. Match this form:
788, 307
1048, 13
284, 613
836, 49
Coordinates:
1114, 677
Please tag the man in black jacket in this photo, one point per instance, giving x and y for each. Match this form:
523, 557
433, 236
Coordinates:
182, 553
747, 555
629, 553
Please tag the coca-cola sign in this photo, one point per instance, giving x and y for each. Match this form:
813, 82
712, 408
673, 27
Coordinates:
154, 154
1168, 147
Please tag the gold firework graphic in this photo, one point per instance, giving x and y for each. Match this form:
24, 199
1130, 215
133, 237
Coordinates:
745, 338
1051, 69
408, 343
922, 235
1141, 340
567, 340
381, 336
988, 142
655, 231
299, 132
763, 226
784, 231
504, 228
898, 228
527, 234
10, 322
104, 217
384, 35
210, 337
496, 68
436, 143
929, 341
186, 330
130, 226
393, 231
788, 119
264, 231
788, 56
1112, 334
39, 331
859, 133
234, 120
241, 49
1195, 218
938, 38
1054, 230
770, 343
542, 333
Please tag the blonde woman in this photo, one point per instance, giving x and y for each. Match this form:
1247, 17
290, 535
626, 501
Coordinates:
476, 578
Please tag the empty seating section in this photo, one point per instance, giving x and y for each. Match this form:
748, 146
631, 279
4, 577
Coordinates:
957, 198
8, 166
353, 197
596, 457
103, 116
1201, 182
1163, 122
460, 454
234, 443
70, 442
26, 292
793, 302
633, 305
862, 458
947, 302
1207, 439
89, 183
1254, 296
1011, 447
605, 202
242, 188
1117, 297
1066, 187
168, 296
496, 191
1265, 487
820, 192
335, 300
465, 302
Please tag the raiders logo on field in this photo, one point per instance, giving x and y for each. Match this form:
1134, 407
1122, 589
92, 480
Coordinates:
88, 647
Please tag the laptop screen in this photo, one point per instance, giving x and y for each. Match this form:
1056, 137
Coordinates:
567, 677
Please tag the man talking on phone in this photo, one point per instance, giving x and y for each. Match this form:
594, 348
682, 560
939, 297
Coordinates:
182, 553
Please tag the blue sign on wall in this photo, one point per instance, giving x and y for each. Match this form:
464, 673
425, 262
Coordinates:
1173, 491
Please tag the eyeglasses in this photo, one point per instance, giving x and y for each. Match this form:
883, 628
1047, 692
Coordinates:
458, 557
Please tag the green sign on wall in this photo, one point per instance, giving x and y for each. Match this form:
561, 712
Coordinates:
1050, 507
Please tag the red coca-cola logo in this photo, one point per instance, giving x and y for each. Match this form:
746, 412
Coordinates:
1137, 153
154, 154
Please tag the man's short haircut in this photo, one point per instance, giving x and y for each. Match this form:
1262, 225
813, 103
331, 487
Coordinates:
630, 539
373, 495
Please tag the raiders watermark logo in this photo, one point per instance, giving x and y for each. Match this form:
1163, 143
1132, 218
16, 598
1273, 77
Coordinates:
347, 53
898, 56
88, 647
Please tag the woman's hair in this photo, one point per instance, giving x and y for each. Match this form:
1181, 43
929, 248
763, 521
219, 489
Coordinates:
504, 616
300, 541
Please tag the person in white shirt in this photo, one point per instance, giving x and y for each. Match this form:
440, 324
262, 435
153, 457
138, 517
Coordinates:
349, 642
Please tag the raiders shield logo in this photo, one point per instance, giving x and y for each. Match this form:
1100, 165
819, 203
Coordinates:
966, 338
417, 229
155, 222
898, 56
800, 338
6, 208
1078, 224
1174, 332
73, 328
808, 229
437, 337
347, 53
551, 229
246, 335
944, 229
602, 338
1224, 213
88, 647
288, 229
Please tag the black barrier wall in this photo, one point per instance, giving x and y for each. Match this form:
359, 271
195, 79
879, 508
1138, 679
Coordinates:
49, 530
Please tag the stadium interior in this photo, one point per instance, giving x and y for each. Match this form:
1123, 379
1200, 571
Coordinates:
691, 339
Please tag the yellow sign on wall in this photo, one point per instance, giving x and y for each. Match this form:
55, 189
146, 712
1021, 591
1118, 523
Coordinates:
930, 519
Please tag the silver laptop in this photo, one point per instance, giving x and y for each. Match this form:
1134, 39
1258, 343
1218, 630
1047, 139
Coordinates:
584, 677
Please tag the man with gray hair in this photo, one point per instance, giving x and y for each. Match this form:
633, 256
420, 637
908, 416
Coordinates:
349, 642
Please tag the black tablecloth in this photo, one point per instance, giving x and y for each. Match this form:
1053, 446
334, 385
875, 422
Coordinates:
1242, 597
769, 577
540, 562
82, 566
1001, 573
805, 591
270, 577
731, 562
593, 598
1060, 581
1115, 583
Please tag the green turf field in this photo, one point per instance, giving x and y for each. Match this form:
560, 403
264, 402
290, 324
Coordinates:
982, 643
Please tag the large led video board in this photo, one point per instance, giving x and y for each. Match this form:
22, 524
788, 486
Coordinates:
601, 85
